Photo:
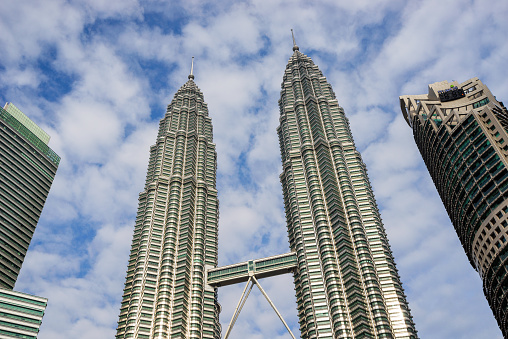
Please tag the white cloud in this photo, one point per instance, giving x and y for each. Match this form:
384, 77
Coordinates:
371, 52
26, 77
31, 27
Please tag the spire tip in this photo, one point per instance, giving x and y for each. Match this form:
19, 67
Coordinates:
295, 47
191, 75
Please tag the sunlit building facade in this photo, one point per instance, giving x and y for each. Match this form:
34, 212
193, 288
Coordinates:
460, 130
346, 281
175, 235
345, 278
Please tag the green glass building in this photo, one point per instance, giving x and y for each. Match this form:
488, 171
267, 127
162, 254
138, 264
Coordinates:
175, 235
460, 130
27, 170
346, 281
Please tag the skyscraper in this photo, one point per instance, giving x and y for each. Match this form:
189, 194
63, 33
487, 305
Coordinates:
175, 236
345, 278
27, 170
346, 281
460, 130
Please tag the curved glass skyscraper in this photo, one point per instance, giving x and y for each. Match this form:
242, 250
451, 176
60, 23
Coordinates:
460, 130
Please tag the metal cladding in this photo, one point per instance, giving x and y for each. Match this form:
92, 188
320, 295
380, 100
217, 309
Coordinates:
460, 130
27, 169
346, 282
175, 236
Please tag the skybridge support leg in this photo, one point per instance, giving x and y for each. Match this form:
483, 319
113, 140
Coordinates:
239, 307
255, 281
243, 299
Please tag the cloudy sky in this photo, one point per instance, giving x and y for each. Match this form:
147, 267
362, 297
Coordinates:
98, 74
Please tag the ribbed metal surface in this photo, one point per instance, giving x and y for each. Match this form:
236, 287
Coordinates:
346, 281
175, 236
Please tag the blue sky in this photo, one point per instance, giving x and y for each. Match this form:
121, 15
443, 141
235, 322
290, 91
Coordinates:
97, 76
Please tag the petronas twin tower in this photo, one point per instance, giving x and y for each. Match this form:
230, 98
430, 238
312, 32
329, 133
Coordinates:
175, 237
345, 278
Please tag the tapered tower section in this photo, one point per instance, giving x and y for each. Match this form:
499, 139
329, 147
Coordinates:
346, 281
175, 236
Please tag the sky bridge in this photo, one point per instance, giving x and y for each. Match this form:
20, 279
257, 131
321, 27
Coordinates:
261, 268
249, 271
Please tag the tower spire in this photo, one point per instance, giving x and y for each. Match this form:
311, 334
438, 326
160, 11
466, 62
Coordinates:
191, 75
295, 47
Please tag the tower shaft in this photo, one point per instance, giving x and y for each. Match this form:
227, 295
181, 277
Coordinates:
346, 281
175, 236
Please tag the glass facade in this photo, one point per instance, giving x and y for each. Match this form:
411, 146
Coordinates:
175, 235
27, 169
346, 282
463, 144
27, 122
27, 130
